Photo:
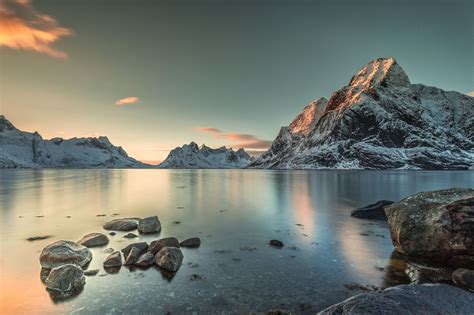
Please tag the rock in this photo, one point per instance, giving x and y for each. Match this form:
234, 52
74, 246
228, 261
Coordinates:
108, 250
142, 246
426, 274
374, 211
191, 242
113, 260
276, 243
132, 256
169, 258
91, 272
407, 299
157, 245
38, 238
130, 235
112, 233
145, 260
464, 278
64, 252
65, 280
277, 312
433, 226
126, 224
461, 261
149, 225
94, 239
44, 273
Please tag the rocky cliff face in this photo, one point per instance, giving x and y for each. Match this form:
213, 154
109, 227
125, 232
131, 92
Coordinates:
379, 121
21, 149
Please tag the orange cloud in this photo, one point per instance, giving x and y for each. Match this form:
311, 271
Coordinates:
127, 100
241, 140
24, 28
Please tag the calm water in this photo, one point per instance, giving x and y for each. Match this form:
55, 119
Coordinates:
233, 211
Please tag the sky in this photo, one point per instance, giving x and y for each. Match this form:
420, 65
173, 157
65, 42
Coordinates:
154, 75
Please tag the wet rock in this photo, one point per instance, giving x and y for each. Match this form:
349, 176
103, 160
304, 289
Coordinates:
464, 278
145, 260
157, 245
433, 226
191, 242
92, 272
142, 246
461, 261
169, 258
374, 211
94, 239
64, 252
113, 260
276, 243
132, 256
408, 299
38, 238
426, 274
65, 280
126, 224
149, 225
130, 235
112, 233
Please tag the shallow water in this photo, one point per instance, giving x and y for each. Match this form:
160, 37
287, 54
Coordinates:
234, 212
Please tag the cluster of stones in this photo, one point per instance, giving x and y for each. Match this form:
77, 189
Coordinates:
63, 262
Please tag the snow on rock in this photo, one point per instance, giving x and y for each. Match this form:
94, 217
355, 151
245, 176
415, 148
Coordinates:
379, 121
191, 156
21, 149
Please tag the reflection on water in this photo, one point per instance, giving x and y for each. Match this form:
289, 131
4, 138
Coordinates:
229, 210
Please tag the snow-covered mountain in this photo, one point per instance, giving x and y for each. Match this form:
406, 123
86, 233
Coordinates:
21, 149
379, 121
191, 156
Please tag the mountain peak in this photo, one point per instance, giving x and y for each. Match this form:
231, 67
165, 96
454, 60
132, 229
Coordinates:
5, 124
305, 122
381, 71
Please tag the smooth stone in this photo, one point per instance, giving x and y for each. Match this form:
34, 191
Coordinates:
65, 252
145, 260
142, 246
407, 299
276, 243
66, 279
461, 261
125, 224
157, 245
130, 235
374, 211
91, 272
113, 260
132, 256
191, 242
169, 258
464, 278
94, 239
149, 225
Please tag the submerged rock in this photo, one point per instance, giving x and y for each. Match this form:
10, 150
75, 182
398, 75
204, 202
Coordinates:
374, 211
157, 245
113, 260
276, 243
38, 238
65, 252
464, 278
142, 246
408, 299
149, 225
132, 256
125, 224
145, 260
433, 226
169, 258
191, 242
65, 280
94, 239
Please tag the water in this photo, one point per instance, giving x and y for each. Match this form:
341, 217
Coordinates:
234, 212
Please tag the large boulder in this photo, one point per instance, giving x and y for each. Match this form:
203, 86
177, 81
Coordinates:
125, 224
65, 280
64, 252
156, 246
149, 225
374, 211
433, 226
408, 299
169, 258
94, 239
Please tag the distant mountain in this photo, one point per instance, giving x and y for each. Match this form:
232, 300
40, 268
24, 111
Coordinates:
379, 121
21, 149
191, 156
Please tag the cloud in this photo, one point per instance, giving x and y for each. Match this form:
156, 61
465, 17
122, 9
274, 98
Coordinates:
127, 100
24, 28
239, 140
209, 130
471, 93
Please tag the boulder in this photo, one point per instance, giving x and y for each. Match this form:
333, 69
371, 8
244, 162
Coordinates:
125, 224
65, 280
149, 225
433, 226
408, 299
191, 242
132, 256
142, 246
64, 252
276, 243
464, 278
461, 261
145, 260
169, 258
94, 239
113, 260
157, 245
374, 211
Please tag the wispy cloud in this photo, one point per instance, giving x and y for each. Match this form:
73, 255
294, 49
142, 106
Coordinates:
22, 27
471, 93
127, 100
239, 140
